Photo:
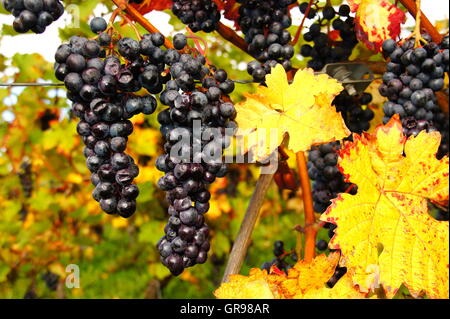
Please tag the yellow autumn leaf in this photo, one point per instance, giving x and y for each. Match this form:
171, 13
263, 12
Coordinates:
304, 280
376, 21
118, 222
344, 289
74, 178
302, 110
308, 276
386, 224
253, 286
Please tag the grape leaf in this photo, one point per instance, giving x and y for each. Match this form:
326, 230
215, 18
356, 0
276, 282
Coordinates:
304, 280
344, 289
376, 21
385, 231
301, 110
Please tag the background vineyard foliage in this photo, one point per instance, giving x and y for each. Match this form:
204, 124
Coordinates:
60, 224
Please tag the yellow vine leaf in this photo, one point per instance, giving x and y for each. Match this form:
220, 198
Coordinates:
344, 289
254, 286
304, 280
302, 110
384, 231
376, 21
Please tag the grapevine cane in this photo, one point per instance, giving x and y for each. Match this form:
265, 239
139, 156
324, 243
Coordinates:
242, 242
310, 230
231, 36
442, 99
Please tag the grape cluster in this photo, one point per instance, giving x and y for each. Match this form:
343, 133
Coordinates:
197, 126
411, 81
46, 117
30, 294
51, 280
25, 177
328, 180
355, 110
280, 258
199, 15
324, 49
265, 25
101, 88
34, 15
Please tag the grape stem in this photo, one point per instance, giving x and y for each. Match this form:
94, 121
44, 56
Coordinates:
417, 27
231, 36
132, 25
139, 18
300, 28
243, 238
196, 39
310, 219
423, 22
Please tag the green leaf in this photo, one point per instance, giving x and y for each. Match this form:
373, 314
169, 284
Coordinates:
151, 232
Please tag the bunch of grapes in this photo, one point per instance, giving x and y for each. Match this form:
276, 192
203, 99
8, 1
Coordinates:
34, 15
265, 25
51, 280
324, 49
25, 177
199, 15
355, 110
45, 118
30, 294
411, 81
280, 258
101, 89
197, 127
328, 180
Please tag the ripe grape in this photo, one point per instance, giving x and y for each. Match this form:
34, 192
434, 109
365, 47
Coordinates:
265, 25
34, 15
413, 77
199, 15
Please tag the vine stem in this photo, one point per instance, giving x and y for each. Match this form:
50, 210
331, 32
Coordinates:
300, 28
139, 18
442, 99
197, 39
132, 25
424, 23
310, 220
417, 27
243, 238
231, 36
